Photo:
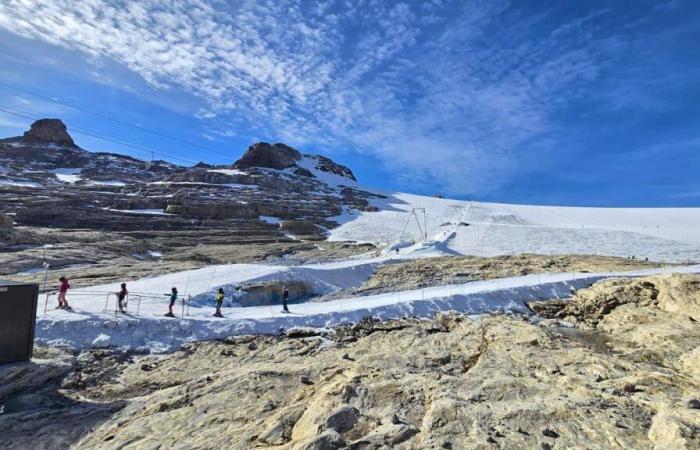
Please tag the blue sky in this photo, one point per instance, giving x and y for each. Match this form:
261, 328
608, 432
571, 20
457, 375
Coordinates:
573, 103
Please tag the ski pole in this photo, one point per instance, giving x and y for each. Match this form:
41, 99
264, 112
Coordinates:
183, 307
189, 299
46, 278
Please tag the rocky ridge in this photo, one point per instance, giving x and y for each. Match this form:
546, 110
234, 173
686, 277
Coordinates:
45, 180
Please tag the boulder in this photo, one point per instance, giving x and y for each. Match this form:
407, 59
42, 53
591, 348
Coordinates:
48, 131
299, 227
262, 154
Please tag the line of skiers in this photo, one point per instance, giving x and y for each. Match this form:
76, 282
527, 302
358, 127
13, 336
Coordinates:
123, 293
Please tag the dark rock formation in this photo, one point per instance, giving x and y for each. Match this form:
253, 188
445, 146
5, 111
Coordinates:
328, 165
48, 131
262, 154
6, 222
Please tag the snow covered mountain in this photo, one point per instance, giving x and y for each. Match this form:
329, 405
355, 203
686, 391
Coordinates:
275, 192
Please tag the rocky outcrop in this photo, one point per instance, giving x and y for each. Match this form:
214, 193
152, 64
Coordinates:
262, 154
299, 227
48, 131
328, 165
676, 294
6, 222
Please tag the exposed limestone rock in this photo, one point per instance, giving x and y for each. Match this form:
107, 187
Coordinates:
262, 154
675, 294
299, 227
6, 222
48, 131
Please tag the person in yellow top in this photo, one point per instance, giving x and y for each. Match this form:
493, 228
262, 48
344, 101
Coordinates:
219, 301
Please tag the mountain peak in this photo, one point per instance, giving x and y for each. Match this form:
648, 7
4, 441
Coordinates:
48, 131
262, 154
280, 156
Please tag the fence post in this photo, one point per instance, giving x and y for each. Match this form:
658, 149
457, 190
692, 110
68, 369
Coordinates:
46, 303
107, 302
138, 305
46, 280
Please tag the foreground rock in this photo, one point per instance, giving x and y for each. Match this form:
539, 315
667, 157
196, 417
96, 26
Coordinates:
630, 381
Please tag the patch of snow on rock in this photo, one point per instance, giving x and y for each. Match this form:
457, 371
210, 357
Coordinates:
67, 174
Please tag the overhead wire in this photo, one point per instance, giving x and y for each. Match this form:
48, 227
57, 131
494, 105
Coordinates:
108, 117
105, 137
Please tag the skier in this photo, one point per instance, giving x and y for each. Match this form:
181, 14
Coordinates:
121, 296
62, 302
285, 297
173, 299
219, 301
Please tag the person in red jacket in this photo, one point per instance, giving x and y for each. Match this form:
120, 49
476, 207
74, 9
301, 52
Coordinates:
62, 302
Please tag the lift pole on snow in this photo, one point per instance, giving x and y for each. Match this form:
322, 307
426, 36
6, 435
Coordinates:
414, 215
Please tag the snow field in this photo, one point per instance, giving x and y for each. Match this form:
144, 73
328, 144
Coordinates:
456, 227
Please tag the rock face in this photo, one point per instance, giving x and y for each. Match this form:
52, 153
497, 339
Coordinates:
6, 222
330, 166
262, 154
449, 382
48, 131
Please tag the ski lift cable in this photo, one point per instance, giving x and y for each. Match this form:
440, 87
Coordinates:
108, 117
96, 134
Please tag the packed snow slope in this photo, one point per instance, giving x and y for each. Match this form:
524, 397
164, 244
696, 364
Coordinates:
491, 229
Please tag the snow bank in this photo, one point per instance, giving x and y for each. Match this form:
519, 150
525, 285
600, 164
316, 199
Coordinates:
228, 171
28, 184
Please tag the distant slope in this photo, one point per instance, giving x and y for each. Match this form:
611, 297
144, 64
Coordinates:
489, 229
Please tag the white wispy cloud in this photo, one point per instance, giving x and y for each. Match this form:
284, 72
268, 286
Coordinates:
446, 91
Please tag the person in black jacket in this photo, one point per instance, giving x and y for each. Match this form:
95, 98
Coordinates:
173, 299
285, 297
121, 296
